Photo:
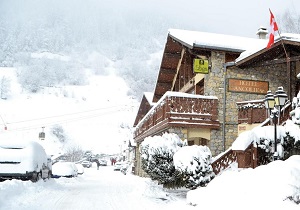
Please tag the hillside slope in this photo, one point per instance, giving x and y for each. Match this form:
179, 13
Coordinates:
97, 116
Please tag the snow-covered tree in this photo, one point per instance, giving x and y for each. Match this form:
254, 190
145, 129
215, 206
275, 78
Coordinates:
4, 87
194, 162
290, 22
59, 132
157, 159
74, 153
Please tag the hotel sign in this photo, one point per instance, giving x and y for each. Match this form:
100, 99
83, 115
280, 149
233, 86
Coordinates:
248, 86
200, 66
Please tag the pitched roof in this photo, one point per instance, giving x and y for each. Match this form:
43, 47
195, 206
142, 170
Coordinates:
149, 97
214, 41
145, 105
252, 53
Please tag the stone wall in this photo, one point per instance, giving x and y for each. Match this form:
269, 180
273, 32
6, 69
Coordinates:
138, 169
181, 132
214, 86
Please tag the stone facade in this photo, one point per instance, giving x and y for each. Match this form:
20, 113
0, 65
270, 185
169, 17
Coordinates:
214, 85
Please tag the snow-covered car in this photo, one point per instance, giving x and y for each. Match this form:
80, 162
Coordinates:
80, 168
103, 162
117, 166
64, 169
25, 160
86, 164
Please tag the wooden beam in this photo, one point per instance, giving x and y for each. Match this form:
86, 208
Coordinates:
167, 71
188, 86
178, 68
164, 84
288, 66
172, 55
277, 61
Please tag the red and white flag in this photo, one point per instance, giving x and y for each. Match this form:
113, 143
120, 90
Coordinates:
274, 28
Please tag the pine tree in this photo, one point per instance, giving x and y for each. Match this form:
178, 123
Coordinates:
160, 167
157, 159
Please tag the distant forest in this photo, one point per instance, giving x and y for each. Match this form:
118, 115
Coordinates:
50, 42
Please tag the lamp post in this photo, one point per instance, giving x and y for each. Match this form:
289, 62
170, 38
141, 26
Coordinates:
280, 98
271, 102
274, 117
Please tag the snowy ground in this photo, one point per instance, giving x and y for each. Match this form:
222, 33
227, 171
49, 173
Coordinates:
265, 187
103, 189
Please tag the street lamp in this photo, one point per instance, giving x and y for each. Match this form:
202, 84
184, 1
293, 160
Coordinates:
271, 102
280, 98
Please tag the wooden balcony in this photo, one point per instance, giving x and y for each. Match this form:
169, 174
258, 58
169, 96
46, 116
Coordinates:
251, 112
176, 109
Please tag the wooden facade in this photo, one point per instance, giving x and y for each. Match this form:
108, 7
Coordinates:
178, 111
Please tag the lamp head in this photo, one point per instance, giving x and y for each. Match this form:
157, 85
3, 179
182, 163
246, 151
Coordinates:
269, 100
280, 97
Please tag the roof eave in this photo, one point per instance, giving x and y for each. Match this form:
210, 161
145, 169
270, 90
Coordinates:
181, 42
219, 48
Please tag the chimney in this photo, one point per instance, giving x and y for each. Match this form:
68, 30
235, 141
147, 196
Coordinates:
262, 33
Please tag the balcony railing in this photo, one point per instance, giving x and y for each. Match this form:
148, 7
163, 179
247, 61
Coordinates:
251, 112
176, 109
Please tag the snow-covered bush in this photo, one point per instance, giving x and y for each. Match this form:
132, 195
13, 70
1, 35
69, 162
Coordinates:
157, 159
288, 141
290, 146
172, 163
194, 162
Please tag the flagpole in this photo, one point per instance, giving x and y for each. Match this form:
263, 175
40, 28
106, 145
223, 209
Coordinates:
288, 66
287, 57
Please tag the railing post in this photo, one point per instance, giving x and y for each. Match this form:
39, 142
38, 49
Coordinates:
214, 111
254, 157
250, 115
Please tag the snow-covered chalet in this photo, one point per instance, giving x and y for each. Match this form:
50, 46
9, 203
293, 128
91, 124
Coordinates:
210, 87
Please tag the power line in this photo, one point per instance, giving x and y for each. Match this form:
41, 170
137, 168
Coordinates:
62, 121
62, 115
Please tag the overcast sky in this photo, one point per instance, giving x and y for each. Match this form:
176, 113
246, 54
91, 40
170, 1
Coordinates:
235, 17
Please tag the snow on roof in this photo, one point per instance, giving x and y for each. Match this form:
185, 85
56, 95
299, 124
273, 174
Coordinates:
214, 41
257, 133
263, 44
149, 97
248, 46
265, 132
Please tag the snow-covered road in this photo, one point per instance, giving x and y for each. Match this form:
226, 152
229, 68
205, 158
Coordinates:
96, 189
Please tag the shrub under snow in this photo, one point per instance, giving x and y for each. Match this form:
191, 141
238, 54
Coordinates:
157, 159
195, 163
169, 161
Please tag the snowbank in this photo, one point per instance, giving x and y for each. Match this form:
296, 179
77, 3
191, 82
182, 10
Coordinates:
266, 187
